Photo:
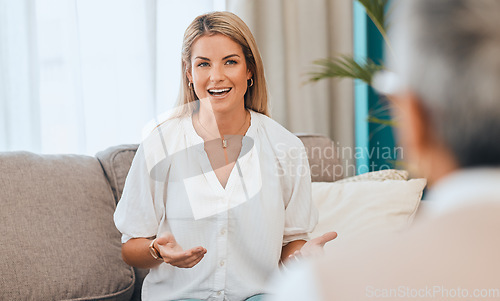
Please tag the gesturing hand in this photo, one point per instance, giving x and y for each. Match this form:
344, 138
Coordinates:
173, 253
314, 246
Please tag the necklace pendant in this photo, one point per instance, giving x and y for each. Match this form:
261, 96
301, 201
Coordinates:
224, 143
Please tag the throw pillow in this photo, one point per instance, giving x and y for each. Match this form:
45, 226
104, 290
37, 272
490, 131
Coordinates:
353, 208
380, 175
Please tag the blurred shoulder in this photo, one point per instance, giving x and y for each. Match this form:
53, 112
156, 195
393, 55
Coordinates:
460, 246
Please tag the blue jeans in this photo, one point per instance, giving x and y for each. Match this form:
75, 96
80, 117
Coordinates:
253, 298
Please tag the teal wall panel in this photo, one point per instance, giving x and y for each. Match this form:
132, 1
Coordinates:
375, 146
361, 130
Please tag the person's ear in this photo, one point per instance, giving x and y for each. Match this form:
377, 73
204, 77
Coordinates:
249, 74
412, 126
188, 70
420, 131
189, 75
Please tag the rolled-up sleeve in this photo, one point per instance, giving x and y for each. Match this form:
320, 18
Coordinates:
137, 213
300, 214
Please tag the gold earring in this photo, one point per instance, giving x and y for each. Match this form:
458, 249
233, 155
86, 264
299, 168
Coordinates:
251, 82
190, 85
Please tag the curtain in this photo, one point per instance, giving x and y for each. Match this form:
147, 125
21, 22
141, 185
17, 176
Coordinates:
19, 118
78, 76
291, 34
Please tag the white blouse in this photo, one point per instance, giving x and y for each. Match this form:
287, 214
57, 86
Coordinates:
266, 204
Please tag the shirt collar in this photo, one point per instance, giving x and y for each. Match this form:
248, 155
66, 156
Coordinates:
466, 187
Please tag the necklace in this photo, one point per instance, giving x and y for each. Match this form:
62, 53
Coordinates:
224, 140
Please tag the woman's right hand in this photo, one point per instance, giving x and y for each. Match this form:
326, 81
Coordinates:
173, 253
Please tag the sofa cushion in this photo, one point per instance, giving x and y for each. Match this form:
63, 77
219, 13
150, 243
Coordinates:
326, 164
116, 161
59, 241
355, 208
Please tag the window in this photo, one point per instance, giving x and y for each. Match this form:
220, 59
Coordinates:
80, 76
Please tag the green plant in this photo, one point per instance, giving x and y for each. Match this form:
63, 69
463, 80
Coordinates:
345, 66
363, 69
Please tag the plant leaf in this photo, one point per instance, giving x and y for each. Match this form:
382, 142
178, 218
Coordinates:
345, 66
375, 9
384, 122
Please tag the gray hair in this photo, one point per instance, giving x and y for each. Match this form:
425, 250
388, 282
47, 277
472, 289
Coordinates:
448, 53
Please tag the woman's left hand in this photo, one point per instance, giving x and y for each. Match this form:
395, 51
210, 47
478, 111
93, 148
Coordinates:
314, 247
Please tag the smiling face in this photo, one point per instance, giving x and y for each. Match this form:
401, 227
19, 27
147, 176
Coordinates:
219, 73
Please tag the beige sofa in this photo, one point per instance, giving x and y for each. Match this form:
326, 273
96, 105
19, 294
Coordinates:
59, 241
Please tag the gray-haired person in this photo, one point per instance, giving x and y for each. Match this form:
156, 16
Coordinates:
445, 94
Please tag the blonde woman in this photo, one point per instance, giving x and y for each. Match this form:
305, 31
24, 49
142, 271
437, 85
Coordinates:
219, 194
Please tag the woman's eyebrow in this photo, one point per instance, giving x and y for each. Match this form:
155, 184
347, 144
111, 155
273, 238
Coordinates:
224, 58
231, 55
202, 58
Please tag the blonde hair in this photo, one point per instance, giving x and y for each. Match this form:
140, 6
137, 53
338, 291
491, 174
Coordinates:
232, 26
